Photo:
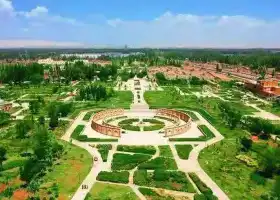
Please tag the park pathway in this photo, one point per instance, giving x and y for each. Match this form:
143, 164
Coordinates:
192, 164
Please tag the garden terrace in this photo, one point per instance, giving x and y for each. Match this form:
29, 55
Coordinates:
105, 128
175, 130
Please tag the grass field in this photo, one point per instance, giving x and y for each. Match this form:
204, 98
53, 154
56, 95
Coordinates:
69, 173
103, 191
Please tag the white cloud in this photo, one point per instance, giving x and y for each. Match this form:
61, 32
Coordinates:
37, 12
167, 30
6, 5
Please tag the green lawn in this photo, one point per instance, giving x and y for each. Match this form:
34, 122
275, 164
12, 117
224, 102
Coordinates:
171, 180
127, 161
103, 191
150, 150
165, 151
183, 150
69, 173
114, 176
160, 163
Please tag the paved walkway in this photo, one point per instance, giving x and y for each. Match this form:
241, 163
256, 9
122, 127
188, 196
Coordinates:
192, 164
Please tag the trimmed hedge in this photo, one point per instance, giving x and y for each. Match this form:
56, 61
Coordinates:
103, 149
127, 161
114, 176
83, 138
165, 151
128, 121
199, 139
151, 150
88, 115
171, 180
165, 118
154, 127
129, 127
192, 115
206, 131
207, 135
77, 131
183, 151
200, 185
205, 197
153, 121
160, 163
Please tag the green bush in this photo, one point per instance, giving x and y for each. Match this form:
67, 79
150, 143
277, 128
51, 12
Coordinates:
153, 121
147, 191
77, 131
200, 139
200, 197
172, 180
151, 194
200, 185
258, 179
114, 176
127, 161
166, 118
205, 197
129, 127
103, 149
128, 121
206, 131
88, 115
10, 164
154, 127
151, 150
83, 138
183, 151
192, 115
165, 151
162, 163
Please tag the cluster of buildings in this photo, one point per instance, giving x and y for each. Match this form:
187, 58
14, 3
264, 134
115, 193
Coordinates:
216, 71
187, 72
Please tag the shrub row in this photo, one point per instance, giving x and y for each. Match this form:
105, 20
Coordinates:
154, 127
166, 118
115, 118
127, 161
83, 138
183, 151
128, 121
199, 139
114, 176
103, 149
161, 163
153, 121
77, 131
129, 127
206, 131
88, 115
172, 180
192, 115
151, 150
200, 185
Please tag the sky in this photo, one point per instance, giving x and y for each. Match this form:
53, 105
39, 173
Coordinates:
140, 23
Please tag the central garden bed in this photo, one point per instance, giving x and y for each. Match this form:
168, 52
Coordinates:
135, 124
